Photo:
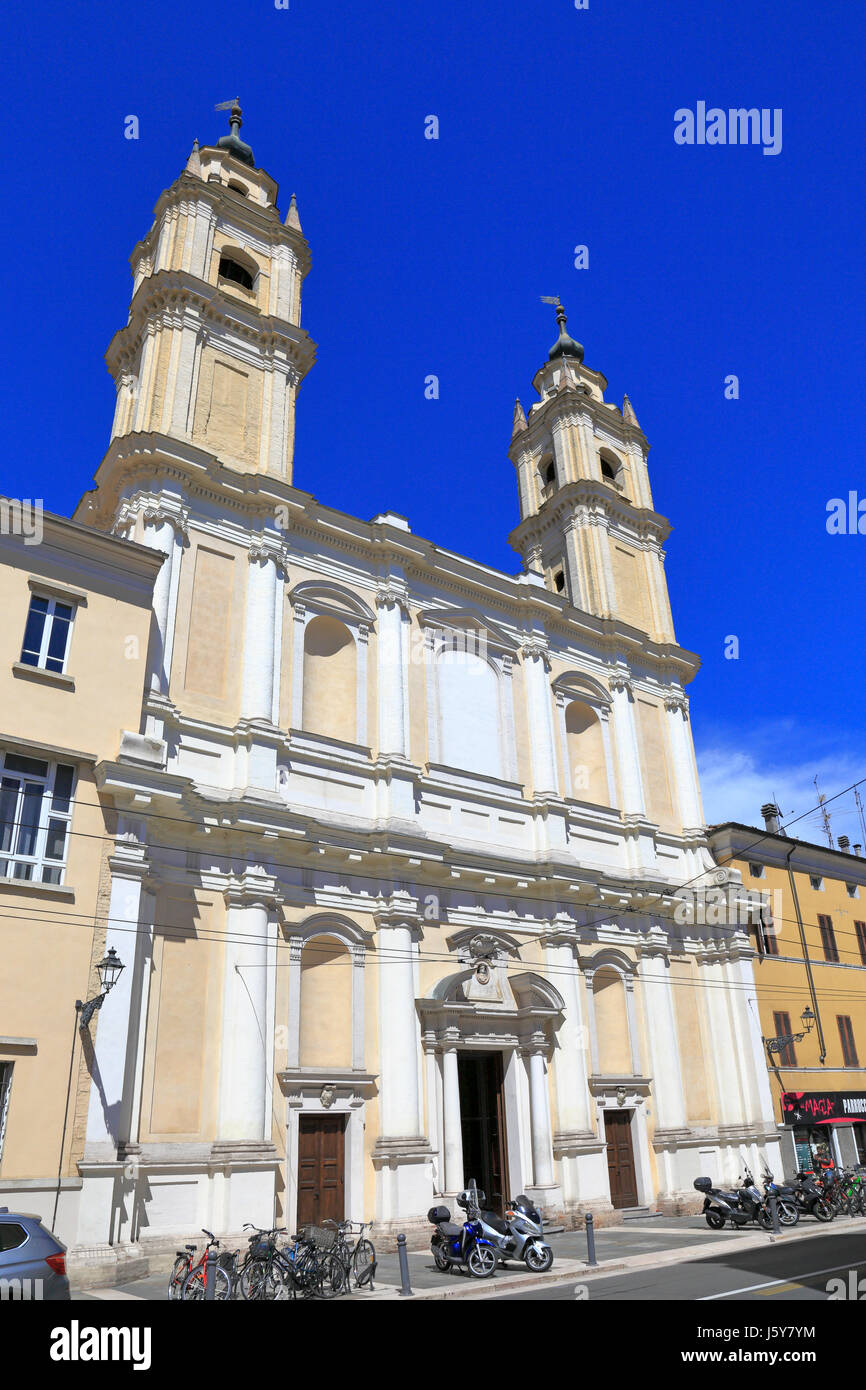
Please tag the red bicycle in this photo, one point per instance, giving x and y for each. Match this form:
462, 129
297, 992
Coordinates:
189, 1280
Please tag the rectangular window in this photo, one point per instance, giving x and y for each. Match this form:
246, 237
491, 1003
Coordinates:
765, 934
756, 870
852, 890
828, 938
860, 929
816, 882
5, 1089
35, 812
782, 1024
846, 1033
46, 636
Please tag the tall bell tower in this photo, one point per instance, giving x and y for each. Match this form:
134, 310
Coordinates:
587, 517
213, 353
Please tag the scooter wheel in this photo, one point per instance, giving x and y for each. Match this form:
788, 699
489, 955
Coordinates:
714, 1220
538, 1259
441, 1261
765, 1220
481, 1262
823, 1210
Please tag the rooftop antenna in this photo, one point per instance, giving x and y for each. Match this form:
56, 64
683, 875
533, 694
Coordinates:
825, 814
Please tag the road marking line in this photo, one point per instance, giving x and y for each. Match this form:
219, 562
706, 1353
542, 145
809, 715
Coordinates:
798, 1279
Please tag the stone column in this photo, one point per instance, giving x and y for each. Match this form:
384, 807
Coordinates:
164, 530
299, 619
572, 1093
751, 1055
688, 792
628, 751
536, 664
539, 1110
453, 1138
246, 1067
401, 1155
731, 1113
391, 665
115, 1057
260, 663
661, 1027
257, 680
119, 1033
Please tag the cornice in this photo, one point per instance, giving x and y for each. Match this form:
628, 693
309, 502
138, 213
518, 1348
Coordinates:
265, 219
176, 292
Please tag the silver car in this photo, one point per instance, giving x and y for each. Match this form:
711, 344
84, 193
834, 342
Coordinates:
32, 1260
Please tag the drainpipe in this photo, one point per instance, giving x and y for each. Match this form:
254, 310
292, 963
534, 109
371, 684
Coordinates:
806, 960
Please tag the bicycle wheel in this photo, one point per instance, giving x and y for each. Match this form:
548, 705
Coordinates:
194, 1290
179, 1271
331, 1280
364, 1262
253, 1280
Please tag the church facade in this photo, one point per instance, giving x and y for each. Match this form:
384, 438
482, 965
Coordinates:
399, 837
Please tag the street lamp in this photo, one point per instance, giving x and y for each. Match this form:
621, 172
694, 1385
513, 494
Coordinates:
785, 1039
109, 973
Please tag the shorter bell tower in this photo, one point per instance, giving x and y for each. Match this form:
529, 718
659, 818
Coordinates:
587, 518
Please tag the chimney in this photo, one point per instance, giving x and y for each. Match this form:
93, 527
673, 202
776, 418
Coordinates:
857, 849
844, 844
771, 814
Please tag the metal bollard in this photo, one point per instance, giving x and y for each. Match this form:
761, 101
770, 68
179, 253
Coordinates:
210, 1275
774, 1214
406, 1287
590, 1239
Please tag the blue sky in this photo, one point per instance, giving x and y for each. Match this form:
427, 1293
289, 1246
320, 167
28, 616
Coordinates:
556, 129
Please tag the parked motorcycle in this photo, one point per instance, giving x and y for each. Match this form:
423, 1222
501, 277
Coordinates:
811, 1197
739, 1206
786, 1200
518, 1237
463, 1246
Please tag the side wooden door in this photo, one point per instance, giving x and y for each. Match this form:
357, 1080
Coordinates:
321, 1169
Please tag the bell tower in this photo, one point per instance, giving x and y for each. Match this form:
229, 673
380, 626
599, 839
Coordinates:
213, 353
587, 517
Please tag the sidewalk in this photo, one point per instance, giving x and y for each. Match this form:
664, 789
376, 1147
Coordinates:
647, 1243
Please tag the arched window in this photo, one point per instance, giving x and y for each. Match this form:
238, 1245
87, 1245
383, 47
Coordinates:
330, 671
611, 469
547, 474
230, 269
326, 1004
586, 759
559, 581
238, 188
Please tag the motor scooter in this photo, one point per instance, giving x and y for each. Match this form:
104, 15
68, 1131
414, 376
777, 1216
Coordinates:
518, 1237
739, 1206
464, 1247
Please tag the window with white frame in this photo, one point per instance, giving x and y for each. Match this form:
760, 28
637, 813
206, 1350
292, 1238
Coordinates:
35, 812
5, 1089
47, 634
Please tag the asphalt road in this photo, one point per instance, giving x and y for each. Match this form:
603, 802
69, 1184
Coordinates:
798, 1270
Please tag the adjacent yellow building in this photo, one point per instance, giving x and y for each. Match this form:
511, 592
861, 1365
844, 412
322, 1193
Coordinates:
811, 955
74, 639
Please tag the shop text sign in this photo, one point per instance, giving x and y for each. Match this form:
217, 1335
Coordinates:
801, 1107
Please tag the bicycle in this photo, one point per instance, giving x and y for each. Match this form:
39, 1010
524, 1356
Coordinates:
360, 1259
264, 1274
194, 1287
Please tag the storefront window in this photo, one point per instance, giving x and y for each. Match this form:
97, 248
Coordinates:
860, 1141
813, 1148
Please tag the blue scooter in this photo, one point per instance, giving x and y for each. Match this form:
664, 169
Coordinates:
464, 1247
